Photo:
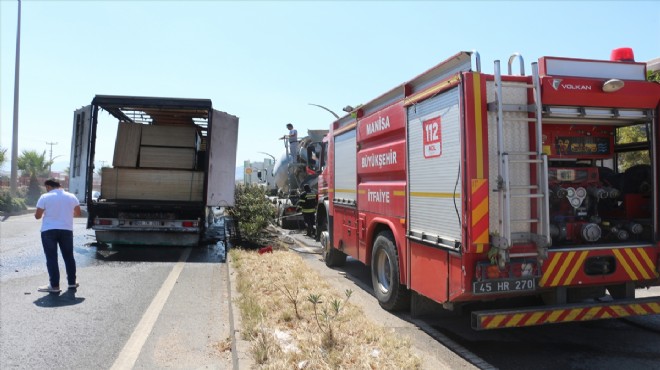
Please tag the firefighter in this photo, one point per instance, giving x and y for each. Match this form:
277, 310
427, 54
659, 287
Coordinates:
307, 205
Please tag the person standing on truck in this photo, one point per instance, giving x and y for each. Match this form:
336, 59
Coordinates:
58, 208
307, 205
293, 142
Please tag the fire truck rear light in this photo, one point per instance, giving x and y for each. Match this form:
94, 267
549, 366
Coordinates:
189, 224
622, 55
103, 222
514, 269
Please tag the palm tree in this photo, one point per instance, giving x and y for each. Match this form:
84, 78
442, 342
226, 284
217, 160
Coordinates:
34, 164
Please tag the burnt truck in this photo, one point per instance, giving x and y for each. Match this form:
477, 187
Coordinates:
290, 175
172, 170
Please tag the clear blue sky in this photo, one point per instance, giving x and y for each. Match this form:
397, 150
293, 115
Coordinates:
265, 61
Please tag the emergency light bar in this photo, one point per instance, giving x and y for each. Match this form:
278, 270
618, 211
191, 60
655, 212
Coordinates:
551, 66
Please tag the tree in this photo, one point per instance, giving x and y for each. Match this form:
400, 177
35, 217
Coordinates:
33, 164
3, 157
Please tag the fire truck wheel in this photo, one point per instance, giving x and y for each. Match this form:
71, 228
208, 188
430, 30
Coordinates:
331, 256
385, 275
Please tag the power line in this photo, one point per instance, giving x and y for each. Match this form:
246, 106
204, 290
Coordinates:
50, 161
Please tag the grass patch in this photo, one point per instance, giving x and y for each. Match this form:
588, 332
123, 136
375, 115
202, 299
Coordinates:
295, 320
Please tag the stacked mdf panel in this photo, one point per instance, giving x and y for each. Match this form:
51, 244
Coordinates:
162, 157
169, 136
154, 162
152, 184
171, 147
127, 145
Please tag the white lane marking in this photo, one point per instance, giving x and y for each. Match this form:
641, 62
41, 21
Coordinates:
132, 348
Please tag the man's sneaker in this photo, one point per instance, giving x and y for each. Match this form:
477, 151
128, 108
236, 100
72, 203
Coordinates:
49, 289
73, 286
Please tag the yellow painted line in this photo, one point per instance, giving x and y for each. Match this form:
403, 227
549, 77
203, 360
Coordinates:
547, 273
591, 313
483, 238
625, 264
479, 211
362, 192
497, 320
345, 129
637, 263
478, 125
352, 191
536, 316
428, 92
576, 268
554, 316
562, 268
515, 320
572, 314
424, 194
649, 263
638, 309
619, 310
133, 347
399, 193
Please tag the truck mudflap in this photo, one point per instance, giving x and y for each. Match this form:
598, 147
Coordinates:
533, 316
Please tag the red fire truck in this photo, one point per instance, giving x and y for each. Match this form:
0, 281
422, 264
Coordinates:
461, 186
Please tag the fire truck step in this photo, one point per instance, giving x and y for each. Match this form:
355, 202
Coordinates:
526, 220
526, 195
526, 161
524, 187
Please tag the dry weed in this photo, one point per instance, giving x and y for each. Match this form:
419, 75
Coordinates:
274, 289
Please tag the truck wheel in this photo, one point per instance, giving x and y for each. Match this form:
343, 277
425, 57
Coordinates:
331, 256
385, 273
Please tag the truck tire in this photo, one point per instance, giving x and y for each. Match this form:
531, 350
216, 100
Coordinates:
385, 274
331, 256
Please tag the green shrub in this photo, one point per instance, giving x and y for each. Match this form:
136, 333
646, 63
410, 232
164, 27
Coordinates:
252, 210
11, 204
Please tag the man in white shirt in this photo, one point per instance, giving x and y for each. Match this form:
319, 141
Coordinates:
293, 142
58, 208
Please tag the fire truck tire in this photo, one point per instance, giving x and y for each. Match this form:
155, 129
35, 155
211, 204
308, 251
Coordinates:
331, 256
385, 274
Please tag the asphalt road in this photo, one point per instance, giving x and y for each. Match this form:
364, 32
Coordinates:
136, 306
150, 308
632, 343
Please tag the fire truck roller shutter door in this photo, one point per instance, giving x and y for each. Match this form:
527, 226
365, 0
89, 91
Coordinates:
345, 174
434, 152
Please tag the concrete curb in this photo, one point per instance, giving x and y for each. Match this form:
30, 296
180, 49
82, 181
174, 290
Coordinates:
240, 348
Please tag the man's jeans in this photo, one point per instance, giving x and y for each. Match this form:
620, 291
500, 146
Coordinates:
50, 239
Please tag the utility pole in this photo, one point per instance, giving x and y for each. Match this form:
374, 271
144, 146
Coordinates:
51, 157
14, 144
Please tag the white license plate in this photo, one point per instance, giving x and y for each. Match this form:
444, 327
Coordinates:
146, 223
503, 286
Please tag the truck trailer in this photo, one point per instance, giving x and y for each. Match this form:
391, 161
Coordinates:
462, 186
173, 167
